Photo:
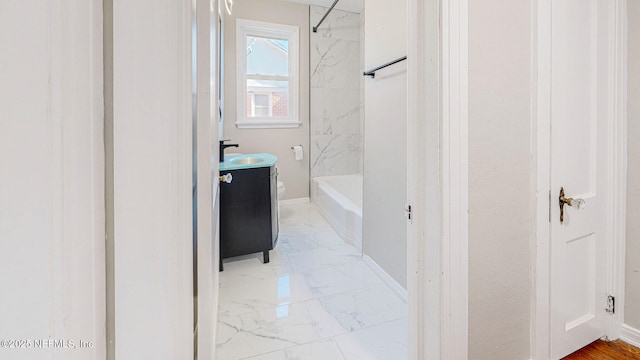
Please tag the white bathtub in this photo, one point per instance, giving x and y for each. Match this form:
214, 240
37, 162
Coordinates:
339, 200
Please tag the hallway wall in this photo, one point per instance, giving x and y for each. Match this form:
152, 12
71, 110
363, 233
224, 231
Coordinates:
632, 301
52, 256
499, 147
384, 233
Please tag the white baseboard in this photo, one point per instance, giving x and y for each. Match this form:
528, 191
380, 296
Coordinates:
294, 201
391, 282
630, 335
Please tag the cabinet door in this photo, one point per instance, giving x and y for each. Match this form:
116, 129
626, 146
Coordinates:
245, 213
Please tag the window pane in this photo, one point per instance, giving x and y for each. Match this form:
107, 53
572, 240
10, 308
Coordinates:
262, 100
261, 105
266, 56
267, 98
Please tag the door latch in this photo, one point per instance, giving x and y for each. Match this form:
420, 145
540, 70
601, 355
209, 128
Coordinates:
408, 210
611, 304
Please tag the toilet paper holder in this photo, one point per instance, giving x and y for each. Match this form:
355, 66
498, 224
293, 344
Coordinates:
298, 150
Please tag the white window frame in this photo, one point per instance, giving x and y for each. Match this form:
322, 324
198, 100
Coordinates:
246, 28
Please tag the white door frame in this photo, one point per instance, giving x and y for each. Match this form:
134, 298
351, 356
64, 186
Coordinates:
438, 179
541, 158
206, 134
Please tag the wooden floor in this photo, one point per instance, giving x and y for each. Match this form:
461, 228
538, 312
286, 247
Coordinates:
603, 350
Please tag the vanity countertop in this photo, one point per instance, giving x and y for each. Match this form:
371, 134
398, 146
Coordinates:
247, 161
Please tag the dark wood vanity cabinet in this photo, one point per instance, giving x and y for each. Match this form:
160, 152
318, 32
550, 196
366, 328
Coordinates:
249, 212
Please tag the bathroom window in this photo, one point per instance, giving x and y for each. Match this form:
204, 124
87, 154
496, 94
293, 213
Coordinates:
267, 67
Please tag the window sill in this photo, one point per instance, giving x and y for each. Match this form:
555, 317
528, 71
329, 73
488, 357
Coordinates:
262, 124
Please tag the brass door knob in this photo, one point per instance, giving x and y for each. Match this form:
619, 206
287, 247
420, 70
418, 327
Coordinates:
577, 204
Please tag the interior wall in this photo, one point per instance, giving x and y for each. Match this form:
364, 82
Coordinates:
632, 301
336, 106
499, 149
294, 173
52, 183
385, 138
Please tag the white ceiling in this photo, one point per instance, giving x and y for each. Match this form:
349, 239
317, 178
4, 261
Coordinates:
356, 6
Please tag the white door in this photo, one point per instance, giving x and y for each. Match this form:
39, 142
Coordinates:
206, 131
580, 108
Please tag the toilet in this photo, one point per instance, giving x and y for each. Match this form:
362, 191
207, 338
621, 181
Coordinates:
281, 190
280, 195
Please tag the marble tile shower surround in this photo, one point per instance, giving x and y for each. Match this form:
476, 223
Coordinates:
316, 299
336, 105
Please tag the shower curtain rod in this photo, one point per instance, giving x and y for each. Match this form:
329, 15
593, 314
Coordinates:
372, 72
315, 28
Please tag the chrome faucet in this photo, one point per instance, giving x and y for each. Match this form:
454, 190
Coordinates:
224, 146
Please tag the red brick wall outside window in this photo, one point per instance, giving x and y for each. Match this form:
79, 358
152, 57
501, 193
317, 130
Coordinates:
280, 103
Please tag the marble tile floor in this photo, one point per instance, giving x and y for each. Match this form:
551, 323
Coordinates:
316, 299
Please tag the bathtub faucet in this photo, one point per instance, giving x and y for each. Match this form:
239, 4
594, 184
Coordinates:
224, 146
